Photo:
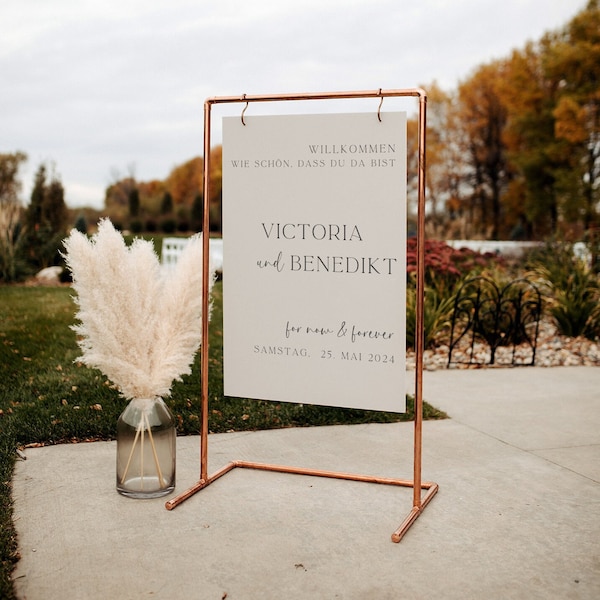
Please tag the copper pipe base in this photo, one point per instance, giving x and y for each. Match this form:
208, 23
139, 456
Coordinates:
430, 487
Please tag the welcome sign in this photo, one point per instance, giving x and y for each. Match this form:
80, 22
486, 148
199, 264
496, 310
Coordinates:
314, 259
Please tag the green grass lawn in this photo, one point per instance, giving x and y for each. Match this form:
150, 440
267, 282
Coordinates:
47, 398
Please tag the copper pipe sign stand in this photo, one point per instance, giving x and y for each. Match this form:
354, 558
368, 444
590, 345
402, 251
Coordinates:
420, 500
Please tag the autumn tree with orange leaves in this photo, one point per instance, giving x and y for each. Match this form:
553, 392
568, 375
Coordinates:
532, 125
184, 189
512, 153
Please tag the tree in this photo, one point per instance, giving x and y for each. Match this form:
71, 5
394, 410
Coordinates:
197, 212
10, 215
446, 167
116, 197
535, 154
45, 220
180, 194
185, 182
55, 212
483, 115
529, 127
166, 206
574, 61
33, 214
10, 186
437, 143
216, 189
134, 202
81, 224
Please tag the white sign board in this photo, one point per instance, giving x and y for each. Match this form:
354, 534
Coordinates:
314, 259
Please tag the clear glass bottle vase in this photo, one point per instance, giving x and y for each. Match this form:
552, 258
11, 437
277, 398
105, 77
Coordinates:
146, 440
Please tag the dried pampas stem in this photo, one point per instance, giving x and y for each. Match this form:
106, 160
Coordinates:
156, 462
142, 427
137, 435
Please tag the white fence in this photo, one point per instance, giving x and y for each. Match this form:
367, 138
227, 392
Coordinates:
172, 247
503, 248
512, 249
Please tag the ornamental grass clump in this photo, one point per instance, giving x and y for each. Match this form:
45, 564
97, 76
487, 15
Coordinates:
139, 324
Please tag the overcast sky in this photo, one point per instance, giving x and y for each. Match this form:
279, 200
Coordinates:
104, 87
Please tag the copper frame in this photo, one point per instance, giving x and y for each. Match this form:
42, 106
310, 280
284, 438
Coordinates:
419, 501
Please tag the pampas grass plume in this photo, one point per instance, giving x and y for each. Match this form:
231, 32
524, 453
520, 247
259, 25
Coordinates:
140, 325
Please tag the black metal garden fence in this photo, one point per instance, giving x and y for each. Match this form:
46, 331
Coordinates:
496, 316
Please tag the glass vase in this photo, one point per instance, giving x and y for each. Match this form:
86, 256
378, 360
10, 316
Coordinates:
146, 439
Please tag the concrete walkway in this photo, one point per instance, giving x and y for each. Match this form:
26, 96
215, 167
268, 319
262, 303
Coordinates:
517, 514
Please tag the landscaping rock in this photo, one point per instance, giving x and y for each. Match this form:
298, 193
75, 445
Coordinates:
49, 276
553, 350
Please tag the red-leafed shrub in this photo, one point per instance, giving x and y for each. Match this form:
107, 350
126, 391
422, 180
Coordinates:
445, 265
